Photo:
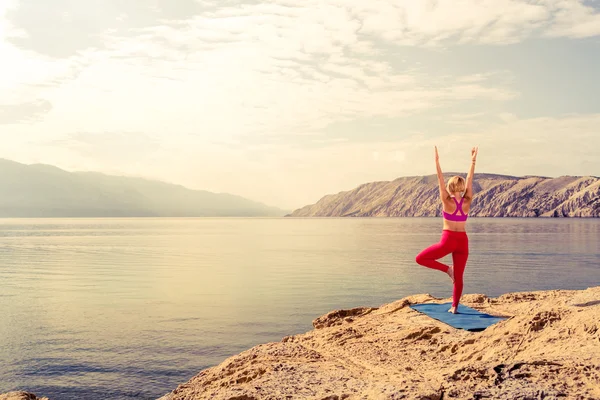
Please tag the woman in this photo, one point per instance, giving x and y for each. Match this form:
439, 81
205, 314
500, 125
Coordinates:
454, 237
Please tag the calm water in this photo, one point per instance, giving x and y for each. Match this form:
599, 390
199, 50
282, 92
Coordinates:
130, 308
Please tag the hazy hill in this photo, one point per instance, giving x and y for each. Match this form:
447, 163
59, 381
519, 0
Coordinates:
47, 191
495, 196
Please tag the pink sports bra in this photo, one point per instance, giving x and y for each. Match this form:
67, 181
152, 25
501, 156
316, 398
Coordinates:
455, 216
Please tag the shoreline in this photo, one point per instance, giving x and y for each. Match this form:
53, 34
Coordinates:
548, 348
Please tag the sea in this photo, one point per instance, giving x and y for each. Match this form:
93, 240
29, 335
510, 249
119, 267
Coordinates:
130, 308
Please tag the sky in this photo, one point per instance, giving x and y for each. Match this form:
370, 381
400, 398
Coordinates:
285, 101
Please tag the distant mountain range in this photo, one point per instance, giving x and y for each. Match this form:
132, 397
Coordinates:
46, 191
494, 196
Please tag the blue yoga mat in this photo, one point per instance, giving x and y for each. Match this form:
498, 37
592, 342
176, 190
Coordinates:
467, 318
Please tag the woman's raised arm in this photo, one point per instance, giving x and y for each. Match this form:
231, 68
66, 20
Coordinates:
469, 189
444, 195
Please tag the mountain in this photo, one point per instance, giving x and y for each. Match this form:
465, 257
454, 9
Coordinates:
46, 191
494, 196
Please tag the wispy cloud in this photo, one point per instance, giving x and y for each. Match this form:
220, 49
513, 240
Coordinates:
574, 19
24, 112
286, 69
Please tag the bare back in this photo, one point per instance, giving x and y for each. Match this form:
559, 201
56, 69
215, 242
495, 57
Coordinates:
449, 206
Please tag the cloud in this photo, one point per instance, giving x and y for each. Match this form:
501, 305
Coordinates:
278, 69
63, 28
28, 76
574, 19
499, 22
24, 112
310, 53
286, 67
446, 21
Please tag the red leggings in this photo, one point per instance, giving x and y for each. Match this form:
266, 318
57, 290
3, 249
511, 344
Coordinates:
453, 242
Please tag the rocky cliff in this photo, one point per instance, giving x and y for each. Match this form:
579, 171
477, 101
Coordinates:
548, 349
494, 196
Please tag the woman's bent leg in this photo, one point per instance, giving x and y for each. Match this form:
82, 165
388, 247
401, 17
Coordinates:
428, 257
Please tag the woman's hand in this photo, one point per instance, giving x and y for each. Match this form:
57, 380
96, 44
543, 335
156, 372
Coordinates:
473, 153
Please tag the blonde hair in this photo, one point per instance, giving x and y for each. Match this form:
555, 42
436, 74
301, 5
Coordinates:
456, 184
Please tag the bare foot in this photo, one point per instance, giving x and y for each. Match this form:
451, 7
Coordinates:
451, 272
453, 310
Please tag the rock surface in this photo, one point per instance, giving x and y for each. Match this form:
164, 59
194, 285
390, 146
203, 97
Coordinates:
20, 396
495, 196
549, 348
